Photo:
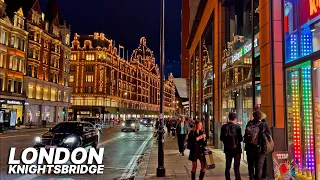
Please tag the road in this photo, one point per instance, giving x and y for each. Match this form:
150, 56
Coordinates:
122, 150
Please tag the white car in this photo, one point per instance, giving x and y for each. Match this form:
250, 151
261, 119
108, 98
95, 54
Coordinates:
130, 125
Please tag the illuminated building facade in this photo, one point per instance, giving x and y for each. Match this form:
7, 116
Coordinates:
100, 78
13, 41
47, 67
237, 63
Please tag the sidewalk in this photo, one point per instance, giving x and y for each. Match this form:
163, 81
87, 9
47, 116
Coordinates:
179, 167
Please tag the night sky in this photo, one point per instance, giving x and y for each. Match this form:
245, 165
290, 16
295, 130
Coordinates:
126, 21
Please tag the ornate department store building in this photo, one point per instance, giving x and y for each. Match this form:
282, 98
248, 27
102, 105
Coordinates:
124, 87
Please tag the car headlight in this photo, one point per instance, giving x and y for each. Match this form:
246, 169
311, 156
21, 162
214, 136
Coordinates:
145, 121
123, 124
37, 139
133, 124
70, 140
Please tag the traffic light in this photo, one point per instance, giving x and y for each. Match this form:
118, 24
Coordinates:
118, 110
64, 111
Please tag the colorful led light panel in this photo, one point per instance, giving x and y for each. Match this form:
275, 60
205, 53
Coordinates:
294, 77
307, 115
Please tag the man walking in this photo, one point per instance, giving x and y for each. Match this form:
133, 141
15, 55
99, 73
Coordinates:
256, 153
182, 131
231, 137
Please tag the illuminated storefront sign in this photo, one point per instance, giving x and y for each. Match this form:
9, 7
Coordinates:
244, 50
314, 5
11, 102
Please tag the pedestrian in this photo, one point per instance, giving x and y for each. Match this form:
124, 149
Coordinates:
173, 127
231, 137
264, 120
256, 152
182, 130
168, 124
190, 121
196, 144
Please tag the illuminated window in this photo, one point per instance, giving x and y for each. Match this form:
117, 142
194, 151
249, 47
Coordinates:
71, 78
89, 78
46, 94
21, 65
73, 57
39, 92
30, 91
53, 94
2, 60
4, 37
59, 95
90, 57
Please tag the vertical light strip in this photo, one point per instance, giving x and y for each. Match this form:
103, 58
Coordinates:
296, 116
306, 44
293, 47
307, 113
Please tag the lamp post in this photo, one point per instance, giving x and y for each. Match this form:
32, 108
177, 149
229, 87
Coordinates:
161, 171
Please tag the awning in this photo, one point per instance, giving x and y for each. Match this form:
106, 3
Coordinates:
182, 86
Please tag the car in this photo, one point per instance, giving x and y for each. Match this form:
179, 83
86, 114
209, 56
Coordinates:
130, 125
148, 122
71, 134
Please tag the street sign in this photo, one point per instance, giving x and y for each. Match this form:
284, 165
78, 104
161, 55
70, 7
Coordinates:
161, 116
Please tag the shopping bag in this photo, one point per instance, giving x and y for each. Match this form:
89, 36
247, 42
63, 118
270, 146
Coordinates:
155, 134
208, 156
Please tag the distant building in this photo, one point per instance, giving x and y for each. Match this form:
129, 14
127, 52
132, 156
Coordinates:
124, 88
13, 41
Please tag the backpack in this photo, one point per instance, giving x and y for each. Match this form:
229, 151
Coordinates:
252, 134
268, 142
230, 137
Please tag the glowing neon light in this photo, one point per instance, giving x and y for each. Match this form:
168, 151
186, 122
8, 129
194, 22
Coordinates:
296, 116
314, 5
307, 113
306, 44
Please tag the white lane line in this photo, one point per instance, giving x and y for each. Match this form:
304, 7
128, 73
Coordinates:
131, 165
107, 141
4, 137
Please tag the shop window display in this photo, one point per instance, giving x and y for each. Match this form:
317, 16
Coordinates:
299, 118
316, 91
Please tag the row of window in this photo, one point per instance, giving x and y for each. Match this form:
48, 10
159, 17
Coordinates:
47, 94
12, 86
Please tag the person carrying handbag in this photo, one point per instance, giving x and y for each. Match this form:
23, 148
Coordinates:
197, 145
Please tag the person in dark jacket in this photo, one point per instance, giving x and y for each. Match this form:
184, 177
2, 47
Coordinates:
182, 130
196, 144
231, 137
264, 120
173, 127
256, 154
168, 124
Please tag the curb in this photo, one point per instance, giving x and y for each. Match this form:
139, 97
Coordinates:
143, 167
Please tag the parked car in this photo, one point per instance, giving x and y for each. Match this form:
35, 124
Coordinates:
130, 125
70, 135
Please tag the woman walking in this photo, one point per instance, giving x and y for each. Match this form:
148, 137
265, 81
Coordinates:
182, 131
196, 144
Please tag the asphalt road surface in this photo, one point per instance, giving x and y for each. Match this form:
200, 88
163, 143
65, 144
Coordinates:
122, 151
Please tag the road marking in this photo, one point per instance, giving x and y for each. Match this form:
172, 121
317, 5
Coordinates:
131, 165
4, 137
106, 142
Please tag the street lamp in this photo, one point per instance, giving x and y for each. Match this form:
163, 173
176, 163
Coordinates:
161, 171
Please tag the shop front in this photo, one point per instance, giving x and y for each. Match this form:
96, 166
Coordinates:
11, 111
302, 75
238, 93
